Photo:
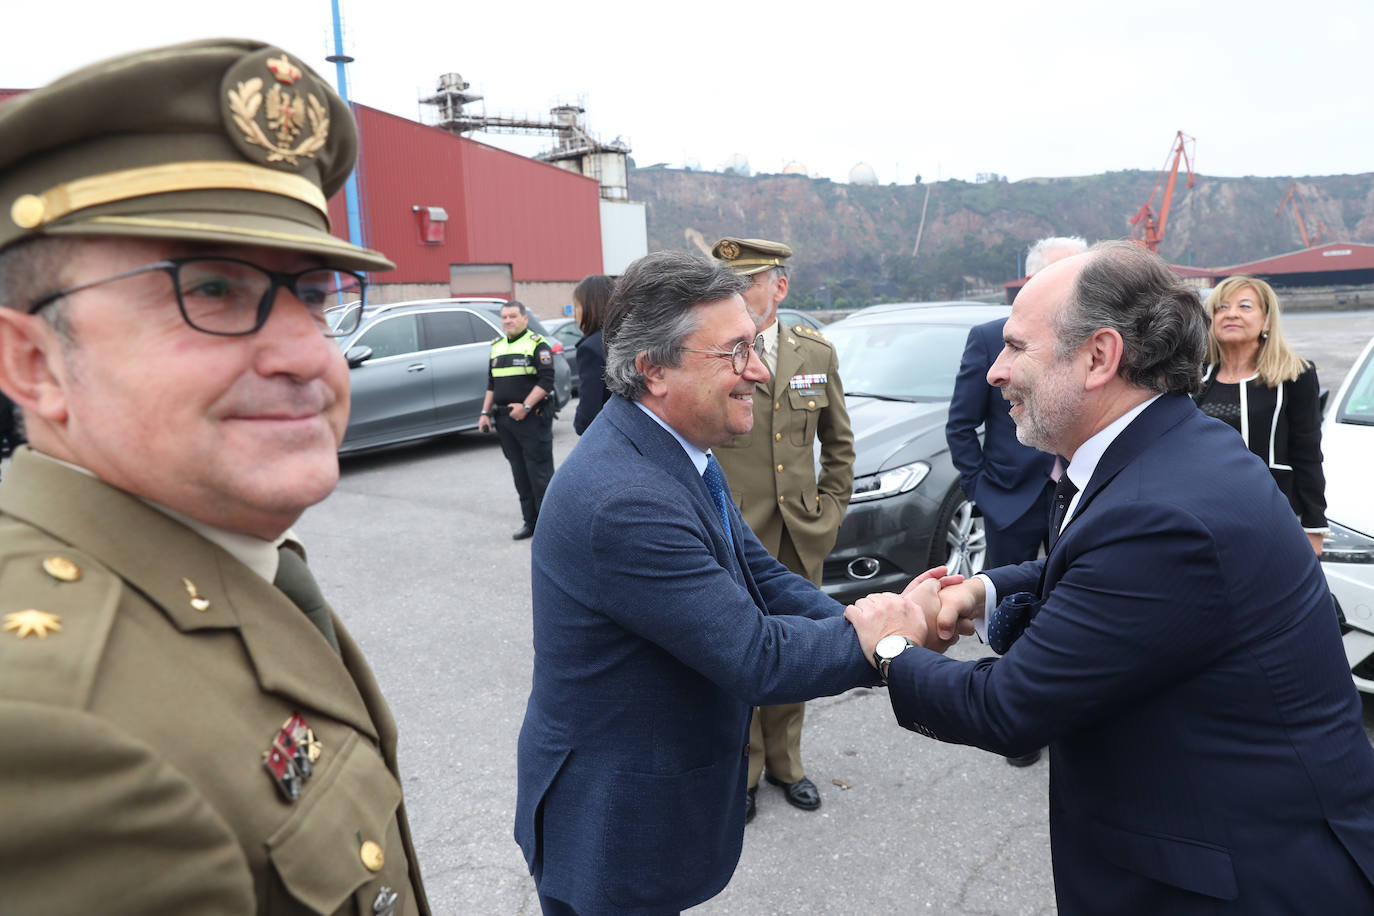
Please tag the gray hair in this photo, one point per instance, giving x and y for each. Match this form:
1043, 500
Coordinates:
1038, 257
33, 268
653, 310
1162, 324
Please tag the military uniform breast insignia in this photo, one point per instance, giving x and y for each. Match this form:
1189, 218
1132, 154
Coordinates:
385, 902
285, 123
812, 380
291, 758
32, 623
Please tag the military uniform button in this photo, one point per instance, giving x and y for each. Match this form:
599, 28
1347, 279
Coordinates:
777, 405
810, 403
779, 469
782, 499
372, 856
777, 437
62, 569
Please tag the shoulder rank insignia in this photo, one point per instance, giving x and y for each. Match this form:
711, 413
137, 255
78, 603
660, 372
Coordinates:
291, 758
32, 623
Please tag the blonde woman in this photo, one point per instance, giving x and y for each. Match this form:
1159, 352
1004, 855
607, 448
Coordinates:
1257, 384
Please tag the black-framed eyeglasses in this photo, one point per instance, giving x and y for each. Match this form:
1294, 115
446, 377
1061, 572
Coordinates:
233, 298
738, 356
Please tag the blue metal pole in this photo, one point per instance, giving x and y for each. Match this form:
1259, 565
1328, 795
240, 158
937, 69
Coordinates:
339, 58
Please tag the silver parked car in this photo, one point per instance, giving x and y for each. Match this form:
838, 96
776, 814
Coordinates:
419, 369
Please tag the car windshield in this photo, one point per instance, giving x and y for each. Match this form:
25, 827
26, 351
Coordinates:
909, 362
1359, 398
335, 315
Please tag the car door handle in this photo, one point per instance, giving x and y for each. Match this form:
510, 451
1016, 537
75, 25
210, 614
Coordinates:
418, 367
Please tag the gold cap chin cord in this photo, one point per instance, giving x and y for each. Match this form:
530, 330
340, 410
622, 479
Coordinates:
31, 211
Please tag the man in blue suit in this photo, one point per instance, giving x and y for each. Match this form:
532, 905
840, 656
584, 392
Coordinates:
1184, 664
1008, 481
659, 619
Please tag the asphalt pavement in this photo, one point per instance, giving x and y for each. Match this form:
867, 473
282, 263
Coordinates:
414, 551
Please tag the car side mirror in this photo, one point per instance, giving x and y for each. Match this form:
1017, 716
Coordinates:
356, 356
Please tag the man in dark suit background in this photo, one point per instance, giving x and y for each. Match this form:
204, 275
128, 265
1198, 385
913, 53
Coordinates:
1009, 482
1184, 664
659, 618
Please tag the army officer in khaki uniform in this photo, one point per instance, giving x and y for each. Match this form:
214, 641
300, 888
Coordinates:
185, 727
772, 474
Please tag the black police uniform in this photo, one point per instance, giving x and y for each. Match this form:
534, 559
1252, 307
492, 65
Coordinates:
518, 365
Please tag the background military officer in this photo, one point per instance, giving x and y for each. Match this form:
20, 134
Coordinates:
185, 727
772, 475
519, 383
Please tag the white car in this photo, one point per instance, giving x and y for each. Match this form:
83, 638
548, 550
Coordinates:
1348, 555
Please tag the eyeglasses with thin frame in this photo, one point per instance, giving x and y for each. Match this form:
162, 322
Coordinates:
738, 355
233, 298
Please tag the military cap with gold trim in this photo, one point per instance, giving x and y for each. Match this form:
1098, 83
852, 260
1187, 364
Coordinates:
750, 256
222, 140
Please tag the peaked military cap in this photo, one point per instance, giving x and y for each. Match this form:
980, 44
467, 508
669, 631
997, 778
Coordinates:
750, 256
222, 140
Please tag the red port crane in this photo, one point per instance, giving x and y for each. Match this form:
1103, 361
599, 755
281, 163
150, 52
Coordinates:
1302, 213
1149, 230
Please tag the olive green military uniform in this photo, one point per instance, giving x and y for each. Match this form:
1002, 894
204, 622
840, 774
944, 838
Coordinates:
144, 673
772, 475
177, 736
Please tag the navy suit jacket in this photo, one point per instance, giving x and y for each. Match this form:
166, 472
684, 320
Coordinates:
1186, 669
1000, 474
654, 636
591, 381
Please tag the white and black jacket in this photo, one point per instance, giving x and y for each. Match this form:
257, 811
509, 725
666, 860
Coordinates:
1283, 426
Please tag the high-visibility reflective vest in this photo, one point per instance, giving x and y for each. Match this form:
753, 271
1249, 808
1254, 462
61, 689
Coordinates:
515, 357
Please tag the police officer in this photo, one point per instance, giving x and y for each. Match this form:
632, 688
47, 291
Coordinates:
772, 476
185, 726
519, 384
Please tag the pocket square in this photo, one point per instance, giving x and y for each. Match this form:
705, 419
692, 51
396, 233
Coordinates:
1009, 620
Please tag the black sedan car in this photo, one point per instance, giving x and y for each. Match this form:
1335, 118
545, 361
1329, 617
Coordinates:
908, 512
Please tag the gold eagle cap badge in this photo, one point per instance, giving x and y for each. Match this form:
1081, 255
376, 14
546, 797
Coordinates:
276, 110
729, 250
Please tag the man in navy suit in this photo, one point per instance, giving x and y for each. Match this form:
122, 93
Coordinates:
659, 619
1184, 664
1008, 481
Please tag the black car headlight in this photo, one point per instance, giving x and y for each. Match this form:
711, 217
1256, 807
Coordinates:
1344, 545
889, 483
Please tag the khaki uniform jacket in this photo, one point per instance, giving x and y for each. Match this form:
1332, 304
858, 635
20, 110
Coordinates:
772, 468
132, 739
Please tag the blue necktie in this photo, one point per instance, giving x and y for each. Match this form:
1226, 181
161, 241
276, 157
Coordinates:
715, 482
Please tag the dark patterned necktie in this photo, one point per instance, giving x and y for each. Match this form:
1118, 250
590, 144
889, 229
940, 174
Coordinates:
715, 482
295, 580
1063, 495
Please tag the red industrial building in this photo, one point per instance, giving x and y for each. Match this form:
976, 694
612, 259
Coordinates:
1324, 275
460, 217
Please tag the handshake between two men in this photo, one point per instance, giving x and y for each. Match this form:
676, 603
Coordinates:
933, 612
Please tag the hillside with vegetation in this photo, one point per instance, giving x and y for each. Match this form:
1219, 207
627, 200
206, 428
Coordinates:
856, 244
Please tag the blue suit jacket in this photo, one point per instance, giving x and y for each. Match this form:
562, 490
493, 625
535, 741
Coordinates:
591, 381
1186, 670
1000, 474
653, 638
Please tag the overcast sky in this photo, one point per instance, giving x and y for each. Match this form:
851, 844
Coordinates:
940, 90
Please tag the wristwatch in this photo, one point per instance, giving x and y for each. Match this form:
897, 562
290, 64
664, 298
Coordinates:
888, 648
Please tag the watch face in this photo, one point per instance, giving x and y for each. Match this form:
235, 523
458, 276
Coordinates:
891, 646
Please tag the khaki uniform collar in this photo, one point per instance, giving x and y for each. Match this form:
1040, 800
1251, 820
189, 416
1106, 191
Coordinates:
194, 582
